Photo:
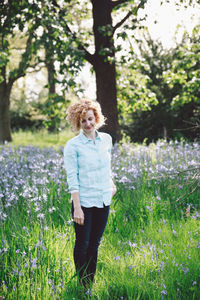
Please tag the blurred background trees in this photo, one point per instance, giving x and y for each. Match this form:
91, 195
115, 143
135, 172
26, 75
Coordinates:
150, 93
172, 81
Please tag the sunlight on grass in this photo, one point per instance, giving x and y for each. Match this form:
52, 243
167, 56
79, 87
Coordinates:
41, 138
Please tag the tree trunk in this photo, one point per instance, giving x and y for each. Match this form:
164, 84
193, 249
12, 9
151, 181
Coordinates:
49, 61
107, 96
104, 65
5, 128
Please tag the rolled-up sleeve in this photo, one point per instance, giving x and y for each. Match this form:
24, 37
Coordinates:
71, 167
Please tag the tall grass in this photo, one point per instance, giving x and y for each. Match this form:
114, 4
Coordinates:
150, 249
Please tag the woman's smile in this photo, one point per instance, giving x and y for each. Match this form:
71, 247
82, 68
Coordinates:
88, 122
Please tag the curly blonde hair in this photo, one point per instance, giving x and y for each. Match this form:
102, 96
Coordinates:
77, 111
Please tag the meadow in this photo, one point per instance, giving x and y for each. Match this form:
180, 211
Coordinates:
151, 246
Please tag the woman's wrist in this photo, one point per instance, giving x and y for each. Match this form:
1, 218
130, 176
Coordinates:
76, 200
77, 206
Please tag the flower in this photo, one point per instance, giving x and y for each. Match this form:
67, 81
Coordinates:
149, 208
163, 292
117, 258
40, 216
196, 215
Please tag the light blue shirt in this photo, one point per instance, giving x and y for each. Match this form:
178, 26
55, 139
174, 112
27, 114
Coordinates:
88, 166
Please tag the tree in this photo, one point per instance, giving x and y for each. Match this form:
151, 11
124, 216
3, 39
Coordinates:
69, 45
57, 46
103, 59
185, 71
28, 19
13, 14
172, 76
185, 74
133, 93
158, 122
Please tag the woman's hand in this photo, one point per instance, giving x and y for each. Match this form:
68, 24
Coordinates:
78, 216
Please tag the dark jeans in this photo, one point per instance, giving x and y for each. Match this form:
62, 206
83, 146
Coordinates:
88, 237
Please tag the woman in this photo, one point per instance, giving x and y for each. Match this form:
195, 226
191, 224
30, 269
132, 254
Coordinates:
87, 159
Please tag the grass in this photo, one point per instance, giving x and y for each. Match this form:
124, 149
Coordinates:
150, 248
41, 138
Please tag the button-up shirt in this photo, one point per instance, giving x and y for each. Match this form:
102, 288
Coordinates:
88, 166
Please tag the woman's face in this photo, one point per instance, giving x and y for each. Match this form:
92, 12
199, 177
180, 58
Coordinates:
88, 122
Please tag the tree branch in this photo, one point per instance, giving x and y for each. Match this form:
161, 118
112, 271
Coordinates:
118, 2
35, 68
88, 56
122, 21
24, 63
134, 11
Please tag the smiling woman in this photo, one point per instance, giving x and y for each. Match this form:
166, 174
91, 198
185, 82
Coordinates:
87, 160
77, 111
88, 124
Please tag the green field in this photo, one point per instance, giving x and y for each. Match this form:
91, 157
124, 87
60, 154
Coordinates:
150, 248
41, 138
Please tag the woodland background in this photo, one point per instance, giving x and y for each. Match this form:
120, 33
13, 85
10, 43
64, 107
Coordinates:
146, 90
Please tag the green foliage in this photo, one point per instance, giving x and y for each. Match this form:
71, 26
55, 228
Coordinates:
59, 44
133, 93
185, 71
175, 91
45, 29
42, 27
54, 110
15, 15
23, 120
61, 30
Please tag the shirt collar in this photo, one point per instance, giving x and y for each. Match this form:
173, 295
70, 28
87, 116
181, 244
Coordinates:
85, 139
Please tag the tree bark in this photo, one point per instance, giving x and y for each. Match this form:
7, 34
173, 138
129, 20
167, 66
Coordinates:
49, 62
51, 76
104, 65
107, 96
5, 128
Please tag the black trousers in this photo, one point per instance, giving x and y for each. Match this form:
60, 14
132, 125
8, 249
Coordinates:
88, 237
